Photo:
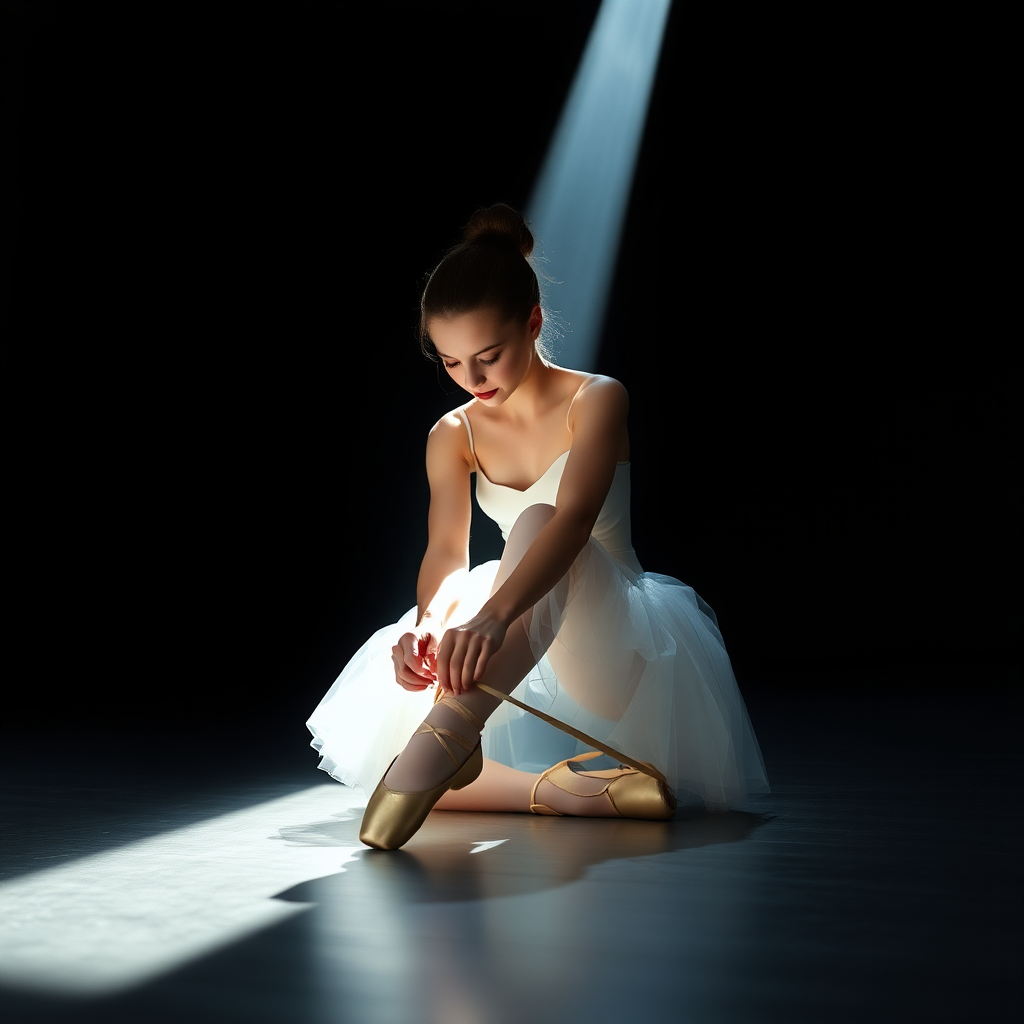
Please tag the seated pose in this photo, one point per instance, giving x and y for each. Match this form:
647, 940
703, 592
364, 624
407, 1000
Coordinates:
561, 679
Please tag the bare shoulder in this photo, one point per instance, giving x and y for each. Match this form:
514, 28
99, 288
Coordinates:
448, 440
601, 396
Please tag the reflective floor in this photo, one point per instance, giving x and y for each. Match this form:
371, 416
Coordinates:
879, 881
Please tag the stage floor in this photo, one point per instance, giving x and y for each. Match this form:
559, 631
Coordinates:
879, 881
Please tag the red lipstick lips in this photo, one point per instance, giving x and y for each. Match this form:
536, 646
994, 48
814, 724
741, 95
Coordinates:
484, 395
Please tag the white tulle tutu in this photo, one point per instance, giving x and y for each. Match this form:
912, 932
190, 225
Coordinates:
644, 670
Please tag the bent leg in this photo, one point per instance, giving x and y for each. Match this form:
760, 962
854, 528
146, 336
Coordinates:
425, 763
602, 689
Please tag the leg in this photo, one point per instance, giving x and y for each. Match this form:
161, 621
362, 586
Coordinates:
585, 794
497, 788
425, 763
429, 760
581, 680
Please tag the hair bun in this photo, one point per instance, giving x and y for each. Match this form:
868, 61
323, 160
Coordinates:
499, 224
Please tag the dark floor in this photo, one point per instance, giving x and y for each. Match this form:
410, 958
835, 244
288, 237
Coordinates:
880, 881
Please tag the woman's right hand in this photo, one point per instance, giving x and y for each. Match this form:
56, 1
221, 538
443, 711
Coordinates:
415, 658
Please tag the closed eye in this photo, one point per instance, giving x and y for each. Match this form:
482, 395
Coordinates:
486, 362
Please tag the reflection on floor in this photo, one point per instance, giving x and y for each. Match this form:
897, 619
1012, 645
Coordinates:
878, 881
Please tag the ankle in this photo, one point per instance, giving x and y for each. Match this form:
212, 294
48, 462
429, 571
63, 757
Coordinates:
453, 714
439, 747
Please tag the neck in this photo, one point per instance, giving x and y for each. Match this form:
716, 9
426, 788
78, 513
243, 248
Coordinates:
532, 394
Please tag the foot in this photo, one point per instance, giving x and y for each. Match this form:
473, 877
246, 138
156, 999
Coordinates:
395, 812
591, 800
622, 792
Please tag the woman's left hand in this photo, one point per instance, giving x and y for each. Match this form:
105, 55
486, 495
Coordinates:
464, 651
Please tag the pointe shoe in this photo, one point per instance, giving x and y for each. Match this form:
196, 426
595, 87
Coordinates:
392, 818
631, 793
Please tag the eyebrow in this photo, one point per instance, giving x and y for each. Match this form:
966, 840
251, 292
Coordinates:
480, 353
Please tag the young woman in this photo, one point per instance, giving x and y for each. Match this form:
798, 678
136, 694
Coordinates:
602, 656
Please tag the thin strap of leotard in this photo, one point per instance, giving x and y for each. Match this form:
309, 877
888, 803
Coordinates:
461, 413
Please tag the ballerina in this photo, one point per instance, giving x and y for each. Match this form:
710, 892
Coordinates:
565, 632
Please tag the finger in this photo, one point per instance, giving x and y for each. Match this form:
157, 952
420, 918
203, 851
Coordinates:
414, 662
443, 663
456, 664
428, 658
411, 683
403, 676
419, 669
478, 648
412, 687
402, 651
473, 667
455, 673
482, 660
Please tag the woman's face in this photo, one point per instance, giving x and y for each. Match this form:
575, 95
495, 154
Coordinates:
485, 355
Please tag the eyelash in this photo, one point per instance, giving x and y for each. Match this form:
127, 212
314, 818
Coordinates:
486, 362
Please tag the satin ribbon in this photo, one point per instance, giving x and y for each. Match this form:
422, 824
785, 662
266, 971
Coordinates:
640, 766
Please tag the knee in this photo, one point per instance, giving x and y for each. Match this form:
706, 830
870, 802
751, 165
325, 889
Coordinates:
531, 521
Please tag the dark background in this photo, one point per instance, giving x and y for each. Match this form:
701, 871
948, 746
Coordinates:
217, 219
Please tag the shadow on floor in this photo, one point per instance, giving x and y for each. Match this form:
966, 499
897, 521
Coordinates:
441, 864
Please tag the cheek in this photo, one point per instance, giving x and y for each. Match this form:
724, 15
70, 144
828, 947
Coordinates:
519, 365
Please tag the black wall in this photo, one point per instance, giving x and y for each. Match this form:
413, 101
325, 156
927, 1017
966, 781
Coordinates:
218, 220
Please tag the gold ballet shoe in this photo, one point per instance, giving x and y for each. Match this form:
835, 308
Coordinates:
631, 793
392, 818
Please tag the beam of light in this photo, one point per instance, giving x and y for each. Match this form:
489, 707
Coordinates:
580, 199
118, 918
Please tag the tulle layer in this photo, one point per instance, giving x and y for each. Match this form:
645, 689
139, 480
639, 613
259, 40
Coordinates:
635, 660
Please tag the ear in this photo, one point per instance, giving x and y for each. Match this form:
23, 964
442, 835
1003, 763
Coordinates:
535, 322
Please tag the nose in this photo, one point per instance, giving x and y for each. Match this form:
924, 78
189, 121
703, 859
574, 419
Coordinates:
474, 377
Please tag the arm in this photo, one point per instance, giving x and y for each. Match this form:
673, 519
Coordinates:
446, 558
598, 426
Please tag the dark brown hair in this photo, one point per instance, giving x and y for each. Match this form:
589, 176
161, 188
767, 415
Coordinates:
489, 269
